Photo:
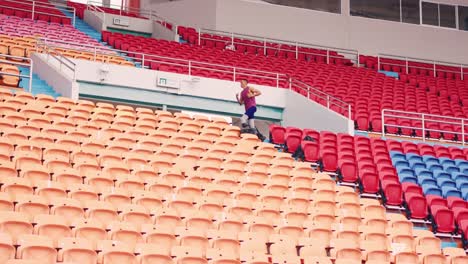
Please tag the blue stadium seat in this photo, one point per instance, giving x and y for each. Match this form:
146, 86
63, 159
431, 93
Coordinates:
415, 164
422, 180
434, 166
450, 191
396, 154
406, 175
413, 157
443, 182
461, 182
459, 177
450, 168
441, 174
423, 172
464, 193
432, 189
446, 161
461, 163
400, 163
430, 159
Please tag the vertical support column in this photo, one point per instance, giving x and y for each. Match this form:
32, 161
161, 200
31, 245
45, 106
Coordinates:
423, 128
407, 66
383, 123
190, 68
31, 69
297, 51
33, 9
463, 131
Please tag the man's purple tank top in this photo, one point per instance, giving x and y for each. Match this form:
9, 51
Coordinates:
248, 102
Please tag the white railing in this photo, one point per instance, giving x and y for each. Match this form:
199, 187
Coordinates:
98, 12
53, 54
190, 67
276, 45
124, 10
321, 97
33, 6
455, 128
19, 62
431, 66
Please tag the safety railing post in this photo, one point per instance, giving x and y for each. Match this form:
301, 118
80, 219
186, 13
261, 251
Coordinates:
378, 63
74, 16
33, 10
264, 47
383, 123
95, 54
357, 60
463, 131
143, 61
423, 128
31, 69
349, 112
190, 68
407, 66
290, 83
277, 80
461, 71
199, 36
328, 101
328, 56
232, 38
234, 74
297, 51
434, 68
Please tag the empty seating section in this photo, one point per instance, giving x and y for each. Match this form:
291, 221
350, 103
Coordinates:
431, 182
26, 27
414, 68
113, 184
43, 11
367, 91
253, 47
80, 9
171, 56
19, 37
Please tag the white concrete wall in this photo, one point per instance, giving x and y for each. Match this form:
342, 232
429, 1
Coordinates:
301, 113
194, 13
134, 24
95, 20
298, 110
162, 32
369, 36
61, 81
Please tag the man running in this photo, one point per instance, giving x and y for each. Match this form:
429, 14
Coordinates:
247, 98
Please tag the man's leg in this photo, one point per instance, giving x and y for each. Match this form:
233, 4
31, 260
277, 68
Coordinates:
244, 119
252, 123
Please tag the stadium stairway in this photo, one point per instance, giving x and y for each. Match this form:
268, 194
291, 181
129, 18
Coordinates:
91, 32
85, 28
39, 86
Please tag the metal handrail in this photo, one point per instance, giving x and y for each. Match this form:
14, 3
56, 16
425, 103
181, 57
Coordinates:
9, 59
191, 64
42, 46
329, 99
148, 13
424, 119
353, 55
434, 64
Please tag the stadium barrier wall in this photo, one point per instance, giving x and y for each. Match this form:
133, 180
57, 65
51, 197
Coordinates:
278, 104
61, 81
